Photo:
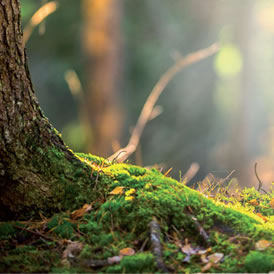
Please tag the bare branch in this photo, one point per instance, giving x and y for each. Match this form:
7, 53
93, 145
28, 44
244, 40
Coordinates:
37, 18
191, 172
259, 180
153, 97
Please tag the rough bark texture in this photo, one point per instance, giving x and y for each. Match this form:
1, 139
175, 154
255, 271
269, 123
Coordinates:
33, 157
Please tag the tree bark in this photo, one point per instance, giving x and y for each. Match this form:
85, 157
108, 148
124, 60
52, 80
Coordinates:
37, 171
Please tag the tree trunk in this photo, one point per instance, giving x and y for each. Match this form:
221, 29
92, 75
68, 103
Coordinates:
102, 44
37, 171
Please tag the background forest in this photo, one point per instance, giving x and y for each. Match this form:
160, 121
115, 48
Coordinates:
94, 63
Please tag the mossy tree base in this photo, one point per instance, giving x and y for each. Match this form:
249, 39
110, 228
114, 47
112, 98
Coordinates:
121, 220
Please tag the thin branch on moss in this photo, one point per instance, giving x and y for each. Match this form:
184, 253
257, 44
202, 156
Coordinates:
153, 97
155, 233
38, 18
201, 230
35, 233
227, 177
259, 180
190, 173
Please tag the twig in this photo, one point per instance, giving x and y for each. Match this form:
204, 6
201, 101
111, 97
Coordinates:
227, 177
259, 180
155, 233
143, 245
37, 18
35, 233
191, 172
153, 97
200, 229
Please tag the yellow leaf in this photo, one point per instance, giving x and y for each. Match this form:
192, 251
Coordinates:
129, 198
254, 202
128, 251
148, 186
262, 245
130, 192
117, 190
271, 203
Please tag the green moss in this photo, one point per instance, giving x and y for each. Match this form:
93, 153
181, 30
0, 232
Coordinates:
28, 259
257, 261
139, 263
116, 222
6, 231
61, 226
94, 159
86, 252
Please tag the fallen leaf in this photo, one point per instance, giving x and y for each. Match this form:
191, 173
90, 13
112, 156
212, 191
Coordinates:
148, 185
114, 259
80, 212
262, 217
128, 251
262, 245
271, 203
130, 192
206, 267
117, 190
254, 202
204, 251
188, 250
204, 259
187, 259
129, 198
215, 258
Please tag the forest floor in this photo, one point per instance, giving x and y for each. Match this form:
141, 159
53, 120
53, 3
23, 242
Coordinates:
145, 221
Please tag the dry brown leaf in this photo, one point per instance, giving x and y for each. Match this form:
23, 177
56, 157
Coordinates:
128, 251
204, 251
262, 245
206, 267
215, 258
204, 259
188, 250
271, 203
117, 190
80, 212
72, 249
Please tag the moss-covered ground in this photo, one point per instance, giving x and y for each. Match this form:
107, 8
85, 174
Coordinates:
112, 233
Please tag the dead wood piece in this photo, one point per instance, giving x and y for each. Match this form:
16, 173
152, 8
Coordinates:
200, 229
155, 233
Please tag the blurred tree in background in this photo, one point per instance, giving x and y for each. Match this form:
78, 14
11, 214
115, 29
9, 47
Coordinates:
218, 112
